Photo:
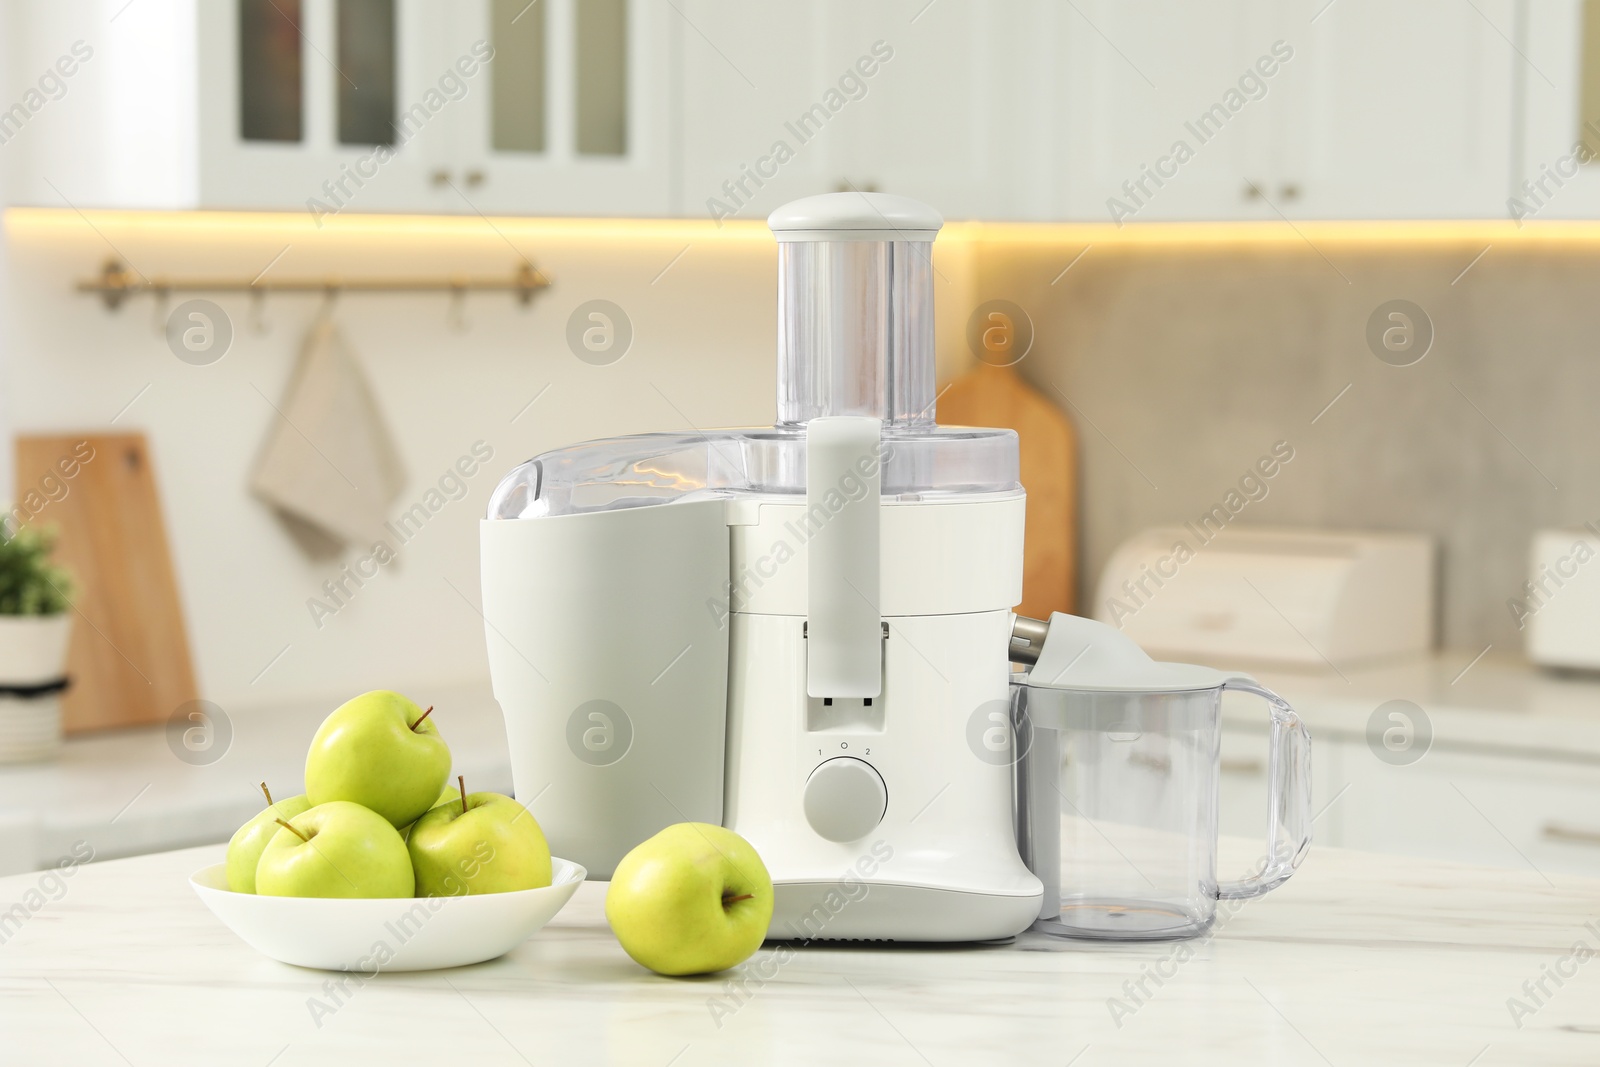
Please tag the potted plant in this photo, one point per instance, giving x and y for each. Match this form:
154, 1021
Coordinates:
35, 625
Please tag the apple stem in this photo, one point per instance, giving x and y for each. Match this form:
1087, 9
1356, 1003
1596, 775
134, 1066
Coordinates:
424, 715
461, 780
267, 793
729, 901
293, 831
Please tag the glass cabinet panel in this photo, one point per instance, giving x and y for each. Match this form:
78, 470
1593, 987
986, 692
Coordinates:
602, 76
270, 87
365, 73
517, 90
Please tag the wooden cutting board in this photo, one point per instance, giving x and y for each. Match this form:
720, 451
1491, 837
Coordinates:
129, 658
997, 396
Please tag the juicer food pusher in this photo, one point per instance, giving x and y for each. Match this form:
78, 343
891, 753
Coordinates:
801, 633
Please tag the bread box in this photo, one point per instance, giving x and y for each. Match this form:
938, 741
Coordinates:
1286, 596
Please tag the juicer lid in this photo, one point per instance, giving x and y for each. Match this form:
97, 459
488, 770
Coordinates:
855, 216
1083, 655
855, 338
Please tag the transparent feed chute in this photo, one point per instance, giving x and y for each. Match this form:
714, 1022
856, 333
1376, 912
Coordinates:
855, 337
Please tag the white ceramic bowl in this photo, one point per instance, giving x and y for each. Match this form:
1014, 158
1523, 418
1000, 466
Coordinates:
417, 934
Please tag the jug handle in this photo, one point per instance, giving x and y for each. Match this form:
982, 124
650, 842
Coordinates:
1289, 801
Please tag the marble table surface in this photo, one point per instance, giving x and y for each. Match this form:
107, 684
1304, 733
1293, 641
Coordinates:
1358, 959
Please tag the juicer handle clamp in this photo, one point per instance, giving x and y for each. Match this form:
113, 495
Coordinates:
844, 624
1027, 639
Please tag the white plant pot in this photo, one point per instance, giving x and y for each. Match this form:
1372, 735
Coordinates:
33, 651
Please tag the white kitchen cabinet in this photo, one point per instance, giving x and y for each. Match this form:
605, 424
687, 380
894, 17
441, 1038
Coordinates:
155, 114
954, 119
1399, 110
1155, 123
100, 112
939, 101
749, 72
263, 143
1011, 109
329, 105
19, 844
1503, 810
1354, 109
574, 118
1520, 812
1557, 174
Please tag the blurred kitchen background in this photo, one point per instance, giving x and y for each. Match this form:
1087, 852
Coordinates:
1351, 242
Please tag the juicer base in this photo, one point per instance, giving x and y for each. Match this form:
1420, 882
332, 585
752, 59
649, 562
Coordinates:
872, 911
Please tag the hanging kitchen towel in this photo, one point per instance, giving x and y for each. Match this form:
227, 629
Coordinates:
329, 463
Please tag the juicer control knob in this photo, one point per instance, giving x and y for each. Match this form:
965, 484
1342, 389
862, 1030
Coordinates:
845, 798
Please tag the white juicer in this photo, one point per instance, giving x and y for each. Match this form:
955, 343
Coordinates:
801, 633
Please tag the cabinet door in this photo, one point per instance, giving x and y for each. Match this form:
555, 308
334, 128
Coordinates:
750, 76
1517, 812
957, 116
572, 117
1399, 111
99, 112
303, 104
1522, 813
1558, 160
939, 101
1170, 109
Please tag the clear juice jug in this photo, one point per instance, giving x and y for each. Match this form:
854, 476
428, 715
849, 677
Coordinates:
1119, 776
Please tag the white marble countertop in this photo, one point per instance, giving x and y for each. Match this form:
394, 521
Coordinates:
1358, 959
126, 793
1498, 706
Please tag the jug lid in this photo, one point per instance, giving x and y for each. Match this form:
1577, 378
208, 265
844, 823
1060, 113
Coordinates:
1088, 656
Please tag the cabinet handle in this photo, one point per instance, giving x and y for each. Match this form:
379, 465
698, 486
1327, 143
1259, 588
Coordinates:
1554, 831
439, 178
475, 178
1251, 191
1291, 191
1242, 766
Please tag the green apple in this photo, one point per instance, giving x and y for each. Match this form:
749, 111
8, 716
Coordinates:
446, 795
478, 843
244, 849
693, 899
378, 750
337, 849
